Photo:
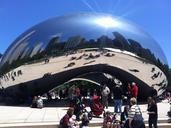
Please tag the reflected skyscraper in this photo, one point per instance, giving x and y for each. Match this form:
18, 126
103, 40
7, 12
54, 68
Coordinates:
82, 46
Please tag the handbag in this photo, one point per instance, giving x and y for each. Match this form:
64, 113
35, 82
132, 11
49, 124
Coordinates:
138, 116
138, 120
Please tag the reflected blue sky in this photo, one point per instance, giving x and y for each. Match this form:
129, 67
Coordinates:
86, 25
18, 15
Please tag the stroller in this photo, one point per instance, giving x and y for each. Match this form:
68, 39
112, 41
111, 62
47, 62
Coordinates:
79, 108
96, 107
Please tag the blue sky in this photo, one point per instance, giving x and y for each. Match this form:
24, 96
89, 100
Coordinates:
154, 16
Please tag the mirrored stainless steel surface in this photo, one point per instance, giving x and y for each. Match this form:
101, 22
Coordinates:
60, 46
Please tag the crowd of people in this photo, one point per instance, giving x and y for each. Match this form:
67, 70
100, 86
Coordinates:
119, 95
69, 120
11, 76
130, 117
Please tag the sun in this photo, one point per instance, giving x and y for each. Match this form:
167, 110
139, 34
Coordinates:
107, 22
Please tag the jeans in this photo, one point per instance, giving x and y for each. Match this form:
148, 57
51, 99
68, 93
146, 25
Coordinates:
118, 106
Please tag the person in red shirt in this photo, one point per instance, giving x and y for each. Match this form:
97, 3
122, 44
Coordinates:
134, 90
64, 122
77, 92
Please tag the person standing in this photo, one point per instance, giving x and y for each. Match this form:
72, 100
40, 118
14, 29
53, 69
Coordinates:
105, 93
153, 114
85, 121
117, 92
77, 92
34, 102
124, 118
39, 102
135, 119
134, 90
128, 94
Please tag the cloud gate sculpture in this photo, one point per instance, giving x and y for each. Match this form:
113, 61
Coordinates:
81, 46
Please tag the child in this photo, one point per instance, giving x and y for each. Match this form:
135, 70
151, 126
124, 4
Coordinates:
73, 123
116, 121
64, 122
107, 123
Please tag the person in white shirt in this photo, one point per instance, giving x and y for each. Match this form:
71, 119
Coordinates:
39, 102
134, 115
105, 93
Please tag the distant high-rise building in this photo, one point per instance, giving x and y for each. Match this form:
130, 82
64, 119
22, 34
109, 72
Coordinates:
120, 41
36, 49
0, 57
73, 42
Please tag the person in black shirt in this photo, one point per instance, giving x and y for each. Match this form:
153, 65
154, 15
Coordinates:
124, 118
117, 92
153, 114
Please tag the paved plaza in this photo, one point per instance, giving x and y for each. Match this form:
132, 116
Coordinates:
49, 117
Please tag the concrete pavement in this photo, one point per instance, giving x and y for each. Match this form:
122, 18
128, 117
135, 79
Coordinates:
49, 117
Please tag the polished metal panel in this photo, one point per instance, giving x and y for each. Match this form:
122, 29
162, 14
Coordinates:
79, 41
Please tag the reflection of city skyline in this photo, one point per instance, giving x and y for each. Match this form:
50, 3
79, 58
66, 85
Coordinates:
56, 48
13, 48
68, 26
0, 57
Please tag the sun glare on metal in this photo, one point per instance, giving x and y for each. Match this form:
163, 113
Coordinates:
107, 22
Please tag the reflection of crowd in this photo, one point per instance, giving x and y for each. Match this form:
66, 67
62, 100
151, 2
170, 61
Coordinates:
155, 74
91, 57
162, 85
69, 93
11, 75
116, 92
46, 60
37, 102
